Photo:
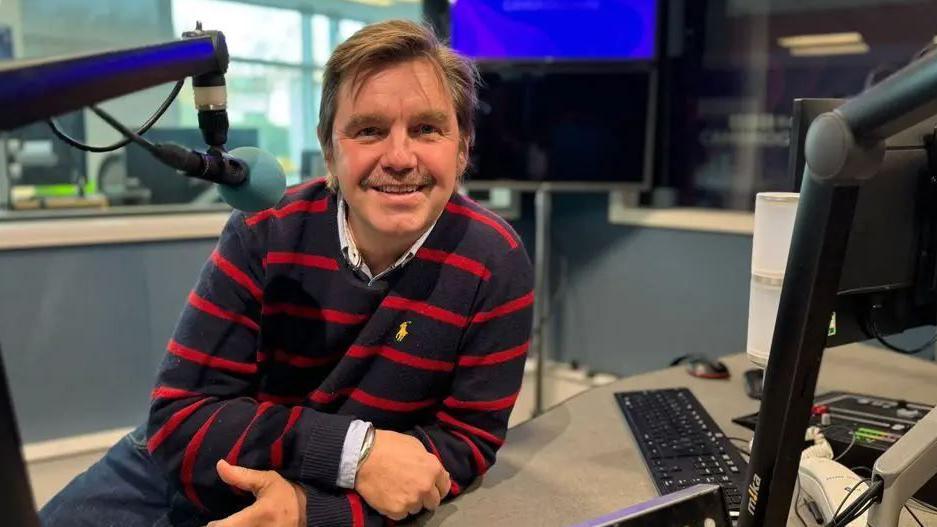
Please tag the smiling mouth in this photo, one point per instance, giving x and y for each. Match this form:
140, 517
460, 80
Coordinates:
399, 189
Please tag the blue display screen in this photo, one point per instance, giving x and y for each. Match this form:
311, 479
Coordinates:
555, 29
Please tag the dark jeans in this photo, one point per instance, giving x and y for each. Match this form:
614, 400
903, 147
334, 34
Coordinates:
124, 489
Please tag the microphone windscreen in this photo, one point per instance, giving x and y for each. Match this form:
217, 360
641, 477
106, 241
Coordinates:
265, 185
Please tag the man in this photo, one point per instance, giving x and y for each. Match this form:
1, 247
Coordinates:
352, 353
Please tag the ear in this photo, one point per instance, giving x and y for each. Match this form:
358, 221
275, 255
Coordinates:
463, 155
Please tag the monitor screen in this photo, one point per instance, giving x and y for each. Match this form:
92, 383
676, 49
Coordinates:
581, 127
555, 29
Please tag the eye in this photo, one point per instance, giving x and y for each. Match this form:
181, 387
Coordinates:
427, 129
370, 131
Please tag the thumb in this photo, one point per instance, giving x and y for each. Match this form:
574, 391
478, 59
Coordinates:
247, 479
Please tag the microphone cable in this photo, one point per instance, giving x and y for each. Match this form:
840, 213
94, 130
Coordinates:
128, 138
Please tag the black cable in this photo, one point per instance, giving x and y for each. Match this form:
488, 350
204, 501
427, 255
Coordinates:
848, 448
873, 327
832, 521
913, 515
53, 124
128, 133
859, 507
797, 505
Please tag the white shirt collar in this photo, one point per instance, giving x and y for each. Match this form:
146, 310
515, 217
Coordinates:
353, 256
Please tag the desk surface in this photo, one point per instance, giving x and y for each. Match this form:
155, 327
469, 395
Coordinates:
578, 460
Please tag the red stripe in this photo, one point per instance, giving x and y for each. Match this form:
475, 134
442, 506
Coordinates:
232, 457
172, 424
296, 207
301, 361
480, 464
363, 352
188, 460
491, 406
165, 392
483, 218
494, 358
424, 309
388, 404
475, 431
204, 359
357, 511
304, 185
454, 488
504, 309
262, 356
305, 260
276, 449
280, 399
328, 315
204, 305
455, 260
236, 274
323, 397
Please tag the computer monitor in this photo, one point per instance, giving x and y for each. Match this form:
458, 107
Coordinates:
846, 151
888, 277
540, 30
563, 126
16, 498
164, 184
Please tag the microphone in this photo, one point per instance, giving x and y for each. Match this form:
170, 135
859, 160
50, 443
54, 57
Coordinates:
248, 178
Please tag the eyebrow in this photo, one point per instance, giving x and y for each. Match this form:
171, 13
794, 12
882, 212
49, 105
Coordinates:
365, 120
432, 117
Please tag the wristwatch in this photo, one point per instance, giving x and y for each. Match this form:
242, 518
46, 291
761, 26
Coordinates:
366, 445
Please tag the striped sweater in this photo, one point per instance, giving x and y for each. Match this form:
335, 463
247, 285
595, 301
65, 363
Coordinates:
281, 346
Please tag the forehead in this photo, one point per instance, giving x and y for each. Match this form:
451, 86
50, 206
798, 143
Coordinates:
415, 85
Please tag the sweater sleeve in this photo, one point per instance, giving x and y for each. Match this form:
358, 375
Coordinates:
472, 422
340, 508
204, 405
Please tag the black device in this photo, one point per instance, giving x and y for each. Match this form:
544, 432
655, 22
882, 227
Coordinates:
572, 125
162, 182
681, 444
843, 149
862, 427
16, 498
888, 275
697, 506
754, 383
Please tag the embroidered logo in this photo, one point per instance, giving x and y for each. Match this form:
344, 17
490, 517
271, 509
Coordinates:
402, 332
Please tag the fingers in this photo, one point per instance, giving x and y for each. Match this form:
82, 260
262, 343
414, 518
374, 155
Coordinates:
443, 483
431, 500
248, 517
253, 481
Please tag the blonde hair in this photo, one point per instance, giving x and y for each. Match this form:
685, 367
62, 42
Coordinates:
387, 43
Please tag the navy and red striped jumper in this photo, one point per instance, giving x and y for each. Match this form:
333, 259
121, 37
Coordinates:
281, 346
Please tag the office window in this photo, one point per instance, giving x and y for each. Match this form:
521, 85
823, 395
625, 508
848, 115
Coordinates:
252, 32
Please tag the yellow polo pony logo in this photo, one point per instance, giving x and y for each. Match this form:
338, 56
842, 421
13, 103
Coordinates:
402, 332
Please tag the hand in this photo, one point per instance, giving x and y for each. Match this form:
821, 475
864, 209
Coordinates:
400, 477
280, 503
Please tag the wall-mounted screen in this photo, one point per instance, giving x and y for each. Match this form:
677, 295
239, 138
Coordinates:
555, 29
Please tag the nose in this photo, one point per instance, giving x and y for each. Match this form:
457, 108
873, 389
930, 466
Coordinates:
399, 157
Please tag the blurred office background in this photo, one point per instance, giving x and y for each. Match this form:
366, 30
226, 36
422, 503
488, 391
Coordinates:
649, 249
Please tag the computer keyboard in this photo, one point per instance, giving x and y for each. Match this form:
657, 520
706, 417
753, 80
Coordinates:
681, 444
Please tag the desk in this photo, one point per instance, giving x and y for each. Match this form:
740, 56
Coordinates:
578, 460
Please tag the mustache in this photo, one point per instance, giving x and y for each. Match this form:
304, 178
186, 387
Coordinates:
412, 178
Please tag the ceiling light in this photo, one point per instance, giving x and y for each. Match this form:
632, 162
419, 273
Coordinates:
819, 51
823, 39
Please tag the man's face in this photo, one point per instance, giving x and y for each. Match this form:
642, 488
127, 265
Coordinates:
396, 149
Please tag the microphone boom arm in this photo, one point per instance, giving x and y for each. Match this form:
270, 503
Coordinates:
34, 90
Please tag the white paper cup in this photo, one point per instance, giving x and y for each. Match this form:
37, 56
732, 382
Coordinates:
774, 226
